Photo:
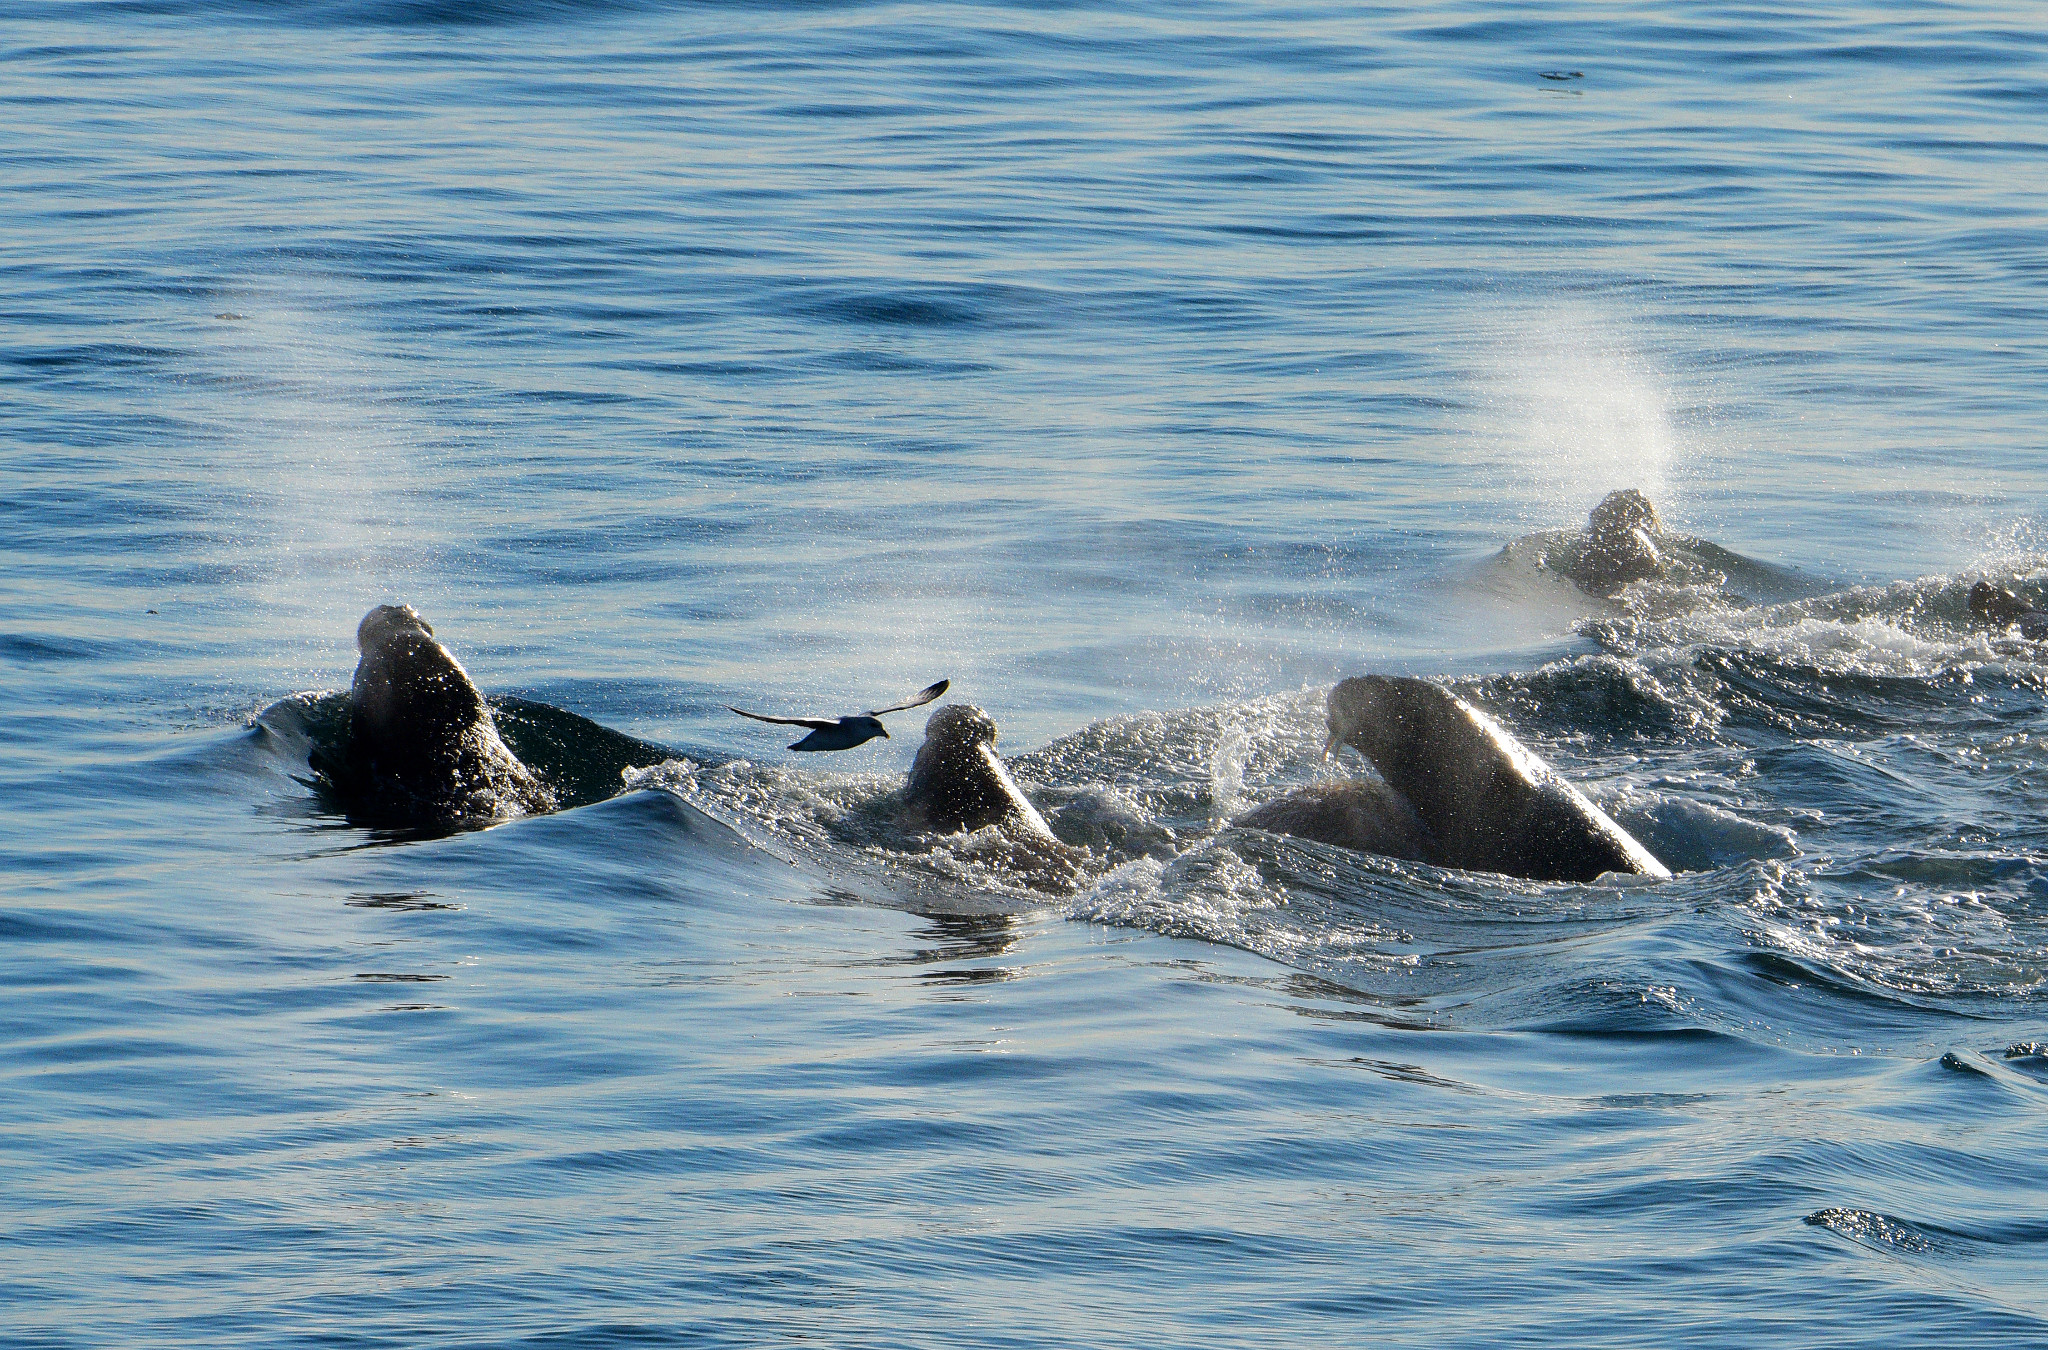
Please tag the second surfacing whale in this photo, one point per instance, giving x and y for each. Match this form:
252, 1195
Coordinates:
1455, 790
958, 784
1625, 546
421, 746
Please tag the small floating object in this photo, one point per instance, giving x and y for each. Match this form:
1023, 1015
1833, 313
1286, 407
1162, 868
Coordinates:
1562, 74
230, 316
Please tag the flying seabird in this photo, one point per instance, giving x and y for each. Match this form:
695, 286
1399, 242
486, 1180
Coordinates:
843, 733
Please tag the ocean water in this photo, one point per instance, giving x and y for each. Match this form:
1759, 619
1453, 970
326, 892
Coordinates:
1143, 371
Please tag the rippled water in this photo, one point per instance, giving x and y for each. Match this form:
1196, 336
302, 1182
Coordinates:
1143, 372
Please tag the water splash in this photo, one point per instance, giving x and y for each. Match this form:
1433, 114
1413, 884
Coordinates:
332, 480
2007, 548
1573, 406
1226, 768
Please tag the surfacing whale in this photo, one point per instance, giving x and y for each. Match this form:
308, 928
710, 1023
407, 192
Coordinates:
959, 782
1481, 799
422, 746
2000, 605
1624, 542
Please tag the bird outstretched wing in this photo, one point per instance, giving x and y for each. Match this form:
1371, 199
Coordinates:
916, 700
814, 723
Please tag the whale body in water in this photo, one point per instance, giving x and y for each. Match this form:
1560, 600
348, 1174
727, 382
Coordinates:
1358, 813
1618, 546
959, 782
1999, 605
1625, 542
1456, 790
422, 746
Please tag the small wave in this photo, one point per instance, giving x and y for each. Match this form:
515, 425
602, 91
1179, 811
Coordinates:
1691, 575
852, 823
1694, 836
924, 306
1890, 1233
381, 13
1872, 1229
1603, 696
1912, 631
1901, 944
28, 647
1204, 893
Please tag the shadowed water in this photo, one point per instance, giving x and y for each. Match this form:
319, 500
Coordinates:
1143, 372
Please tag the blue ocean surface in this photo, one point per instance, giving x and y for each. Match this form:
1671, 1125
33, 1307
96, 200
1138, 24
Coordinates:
1143, 370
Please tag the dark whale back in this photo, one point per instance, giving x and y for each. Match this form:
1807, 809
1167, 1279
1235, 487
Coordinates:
422, 745
958, 782
1488, 803
1618, 545
1357, 813
410, 688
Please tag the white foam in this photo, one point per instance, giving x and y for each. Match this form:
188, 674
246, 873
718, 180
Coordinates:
1205, 892
1226, 769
